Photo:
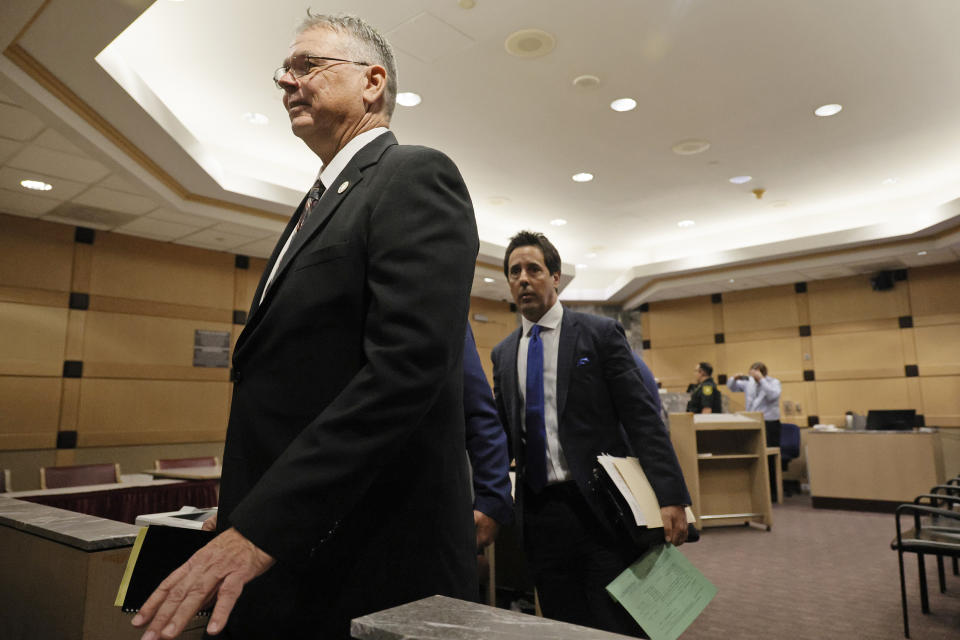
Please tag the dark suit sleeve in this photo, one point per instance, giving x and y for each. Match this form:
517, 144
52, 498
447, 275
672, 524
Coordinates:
638, 414
486, 440
649, 381
420, 248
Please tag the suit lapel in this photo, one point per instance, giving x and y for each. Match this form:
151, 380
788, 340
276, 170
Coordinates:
511, 389
351, 176
569, 331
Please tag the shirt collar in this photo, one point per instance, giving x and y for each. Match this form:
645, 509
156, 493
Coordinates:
549, 320
329, 172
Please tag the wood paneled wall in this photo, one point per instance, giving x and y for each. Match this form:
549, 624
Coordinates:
127, 309
836, 345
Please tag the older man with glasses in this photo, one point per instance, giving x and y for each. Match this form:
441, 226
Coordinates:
345, 489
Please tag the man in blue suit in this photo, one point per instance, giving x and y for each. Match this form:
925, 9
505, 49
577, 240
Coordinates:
568, 389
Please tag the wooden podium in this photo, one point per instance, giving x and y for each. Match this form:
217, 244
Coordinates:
724, 461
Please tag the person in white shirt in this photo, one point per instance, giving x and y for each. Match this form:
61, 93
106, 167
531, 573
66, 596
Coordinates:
762, 394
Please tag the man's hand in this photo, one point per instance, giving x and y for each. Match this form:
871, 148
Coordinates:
756, 374
487, 529
219, 569
674, 524
210, 524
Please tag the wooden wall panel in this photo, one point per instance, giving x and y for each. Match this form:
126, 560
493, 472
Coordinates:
941, 400
760, 309
938, 349
674, 366
129, 267
501, 322
869, 354
835, 398
852, 300
32, 339
246, 281
782, 356
35, 254
933, 291
125, 345
30, 411
680, 322
116, 412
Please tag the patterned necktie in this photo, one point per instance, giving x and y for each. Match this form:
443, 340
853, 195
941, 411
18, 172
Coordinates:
536, 452
313, 196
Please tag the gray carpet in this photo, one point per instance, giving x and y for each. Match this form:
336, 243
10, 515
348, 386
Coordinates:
818, 574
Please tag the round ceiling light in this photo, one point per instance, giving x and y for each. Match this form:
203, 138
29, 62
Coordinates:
408, 99
921, 253
690, 147
582, 266
256, 118
828, 110
741, 179
582, 177
623, 104
558, 222
530, 43
36, 185
686, 223
489, 280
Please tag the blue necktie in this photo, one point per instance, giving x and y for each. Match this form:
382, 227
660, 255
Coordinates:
536, 471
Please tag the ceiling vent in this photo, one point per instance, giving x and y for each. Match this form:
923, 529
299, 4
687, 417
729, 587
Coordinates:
90, 216
530, 43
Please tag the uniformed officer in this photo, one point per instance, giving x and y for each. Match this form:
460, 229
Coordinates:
704, 398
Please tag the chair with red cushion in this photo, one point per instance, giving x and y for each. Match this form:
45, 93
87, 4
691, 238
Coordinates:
79, 475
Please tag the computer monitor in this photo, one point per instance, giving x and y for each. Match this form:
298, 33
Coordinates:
891, 419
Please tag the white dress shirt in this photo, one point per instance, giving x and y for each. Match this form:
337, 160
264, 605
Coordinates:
328, 175
763, 396
557, 469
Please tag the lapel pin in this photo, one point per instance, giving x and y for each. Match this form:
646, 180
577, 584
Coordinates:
343, 186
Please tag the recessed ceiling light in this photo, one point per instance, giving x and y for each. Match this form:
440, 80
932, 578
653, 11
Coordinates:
583, 266
586, 81
690, 147
828, 110
623, 104
36, 185
741, 179
591, 255
467, 4
890, 181
921, 253
530, 43
582, 177
558, 222
686, 223
256, 118
489, 280
731, 281
408, 99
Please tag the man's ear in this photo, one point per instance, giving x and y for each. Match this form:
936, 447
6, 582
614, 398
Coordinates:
376, 84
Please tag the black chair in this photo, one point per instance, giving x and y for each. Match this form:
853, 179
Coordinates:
934, 532
789, 450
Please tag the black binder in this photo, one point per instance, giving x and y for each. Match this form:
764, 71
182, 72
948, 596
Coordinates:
158, 552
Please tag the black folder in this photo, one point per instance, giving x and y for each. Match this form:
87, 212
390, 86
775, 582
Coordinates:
158, 552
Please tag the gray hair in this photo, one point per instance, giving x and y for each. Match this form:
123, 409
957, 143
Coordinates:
368, 45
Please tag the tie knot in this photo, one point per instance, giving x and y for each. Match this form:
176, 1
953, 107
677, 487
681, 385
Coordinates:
316, 190
535, 331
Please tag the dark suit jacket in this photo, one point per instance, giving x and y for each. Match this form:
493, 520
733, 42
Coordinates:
603, 406
344, 453
486, 440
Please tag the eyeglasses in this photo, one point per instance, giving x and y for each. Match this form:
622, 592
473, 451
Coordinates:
300, 66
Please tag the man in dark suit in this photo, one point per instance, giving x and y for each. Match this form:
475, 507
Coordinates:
568, 389
345, 487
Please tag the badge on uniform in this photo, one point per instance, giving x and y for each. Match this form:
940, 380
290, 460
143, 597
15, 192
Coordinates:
708, 391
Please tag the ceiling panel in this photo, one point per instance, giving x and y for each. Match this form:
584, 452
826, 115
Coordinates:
213, 239
258, 249
59, 164
181, 218
22, 203
248, 231
8, 148
158, 229
50, 139
84, 216
18, 124
116, 183
115, 201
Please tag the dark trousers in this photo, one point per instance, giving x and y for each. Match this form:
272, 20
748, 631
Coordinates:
773, 440
572, 558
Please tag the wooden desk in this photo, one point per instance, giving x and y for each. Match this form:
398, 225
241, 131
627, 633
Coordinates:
872, 470
123, 502
188, 473
724, 461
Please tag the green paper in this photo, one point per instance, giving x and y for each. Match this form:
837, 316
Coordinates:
663, 592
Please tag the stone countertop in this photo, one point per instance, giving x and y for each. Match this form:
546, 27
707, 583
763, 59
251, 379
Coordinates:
78, 530
442, 618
